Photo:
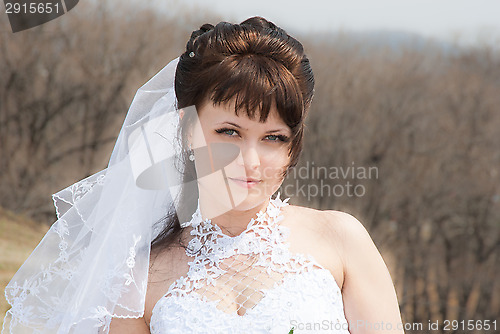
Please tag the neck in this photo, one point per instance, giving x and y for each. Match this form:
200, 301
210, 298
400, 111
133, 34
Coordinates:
232, 221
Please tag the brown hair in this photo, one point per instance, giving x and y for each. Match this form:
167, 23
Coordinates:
256, 64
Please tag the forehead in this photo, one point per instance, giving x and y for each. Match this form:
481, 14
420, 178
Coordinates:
226, 112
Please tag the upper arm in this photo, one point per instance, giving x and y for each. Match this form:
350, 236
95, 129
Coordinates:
369, 297
128, 326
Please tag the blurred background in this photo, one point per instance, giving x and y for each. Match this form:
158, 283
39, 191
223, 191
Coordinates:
409, 89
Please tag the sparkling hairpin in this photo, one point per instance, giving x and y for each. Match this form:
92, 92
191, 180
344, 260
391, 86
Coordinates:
191, 54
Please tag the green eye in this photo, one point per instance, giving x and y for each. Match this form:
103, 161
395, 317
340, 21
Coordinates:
281, 138
229, 132
273, 137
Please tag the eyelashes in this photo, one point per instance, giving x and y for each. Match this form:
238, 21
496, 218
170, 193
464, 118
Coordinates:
275, 138
281, 138
226, 131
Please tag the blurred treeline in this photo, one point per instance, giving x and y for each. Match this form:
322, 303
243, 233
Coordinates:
427, 118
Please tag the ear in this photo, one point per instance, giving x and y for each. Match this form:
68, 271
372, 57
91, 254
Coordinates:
189, 134
192, 119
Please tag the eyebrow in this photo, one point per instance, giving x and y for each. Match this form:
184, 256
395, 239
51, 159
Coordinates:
239, 127
233, 124
277, 130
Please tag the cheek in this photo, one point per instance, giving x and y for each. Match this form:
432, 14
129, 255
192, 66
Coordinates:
200, 134
274, 166
200, 138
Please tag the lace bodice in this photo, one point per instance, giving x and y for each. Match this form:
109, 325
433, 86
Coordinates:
249, 283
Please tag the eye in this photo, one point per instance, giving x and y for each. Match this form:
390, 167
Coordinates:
281, 138
227, 131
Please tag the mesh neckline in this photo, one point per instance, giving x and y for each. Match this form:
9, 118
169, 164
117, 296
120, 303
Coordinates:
248, 281
209, 237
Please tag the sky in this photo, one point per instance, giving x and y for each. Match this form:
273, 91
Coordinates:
463, 21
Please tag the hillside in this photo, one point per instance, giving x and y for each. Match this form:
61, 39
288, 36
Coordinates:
18, 237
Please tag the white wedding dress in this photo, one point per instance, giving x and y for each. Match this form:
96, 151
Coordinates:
249, 283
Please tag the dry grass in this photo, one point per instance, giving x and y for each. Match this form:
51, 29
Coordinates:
18, 237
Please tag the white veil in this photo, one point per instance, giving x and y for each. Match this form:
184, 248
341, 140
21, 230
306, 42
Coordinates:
93, 263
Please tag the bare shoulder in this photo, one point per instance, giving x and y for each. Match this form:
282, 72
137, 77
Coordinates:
322, 234
352, 236
347, 226
128, 326
336, 226
368, 291
335, 239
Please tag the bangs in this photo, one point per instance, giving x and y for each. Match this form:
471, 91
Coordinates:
257, 83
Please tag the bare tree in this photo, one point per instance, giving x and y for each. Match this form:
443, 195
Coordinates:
65, 88
428, 120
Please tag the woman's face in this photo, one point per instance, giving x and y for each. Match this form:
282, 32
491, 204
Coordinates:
254, 156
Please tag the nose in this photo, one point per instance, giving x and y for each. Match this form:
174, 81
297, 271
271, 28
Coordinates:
249, 157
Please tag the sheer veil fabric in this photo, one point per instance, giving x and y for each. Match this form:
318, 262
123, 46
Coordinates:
93, 263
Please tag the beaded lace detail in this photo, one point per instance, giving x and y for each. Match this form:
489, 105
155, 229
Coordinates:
249, 283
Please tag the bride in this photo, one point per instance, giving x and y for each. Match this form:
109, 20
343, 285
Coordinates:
185, 232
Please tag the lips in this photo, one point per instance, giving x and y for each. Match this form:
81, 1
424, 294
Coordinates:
245, 181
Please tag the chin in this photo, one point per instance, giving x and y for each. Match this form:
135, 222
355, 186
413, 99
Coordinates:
251, 202
227, 196
254, 198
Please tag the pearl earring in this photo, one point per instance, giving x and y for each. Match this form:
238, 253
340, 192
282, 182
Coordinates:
191, 154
